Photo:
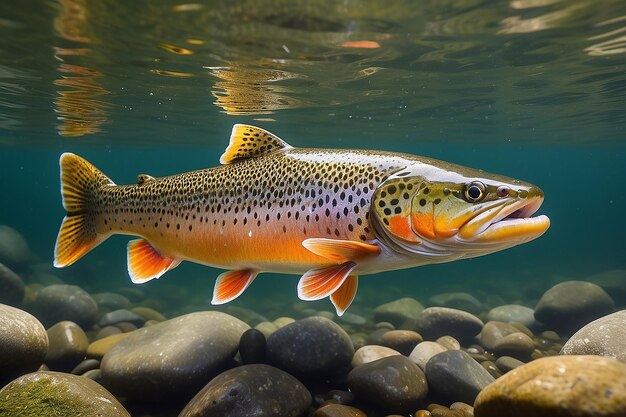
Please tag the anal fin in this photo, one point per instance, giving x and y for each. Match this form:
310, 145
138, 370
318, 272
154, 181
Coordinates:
343, 297
232, 284
146, 263
340, 250
320, 283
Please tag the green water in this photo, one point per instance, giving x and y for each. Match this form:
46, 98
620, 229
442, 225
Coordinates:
533, 89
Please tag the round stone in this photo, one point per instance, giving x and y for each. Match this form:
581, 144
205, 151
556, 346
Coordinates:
314, 346
173, 356
353, 319
23, 343
68, 346
109, 301
338, 410
435, 322
56, 303
449, 342
250, 391
424, 351
459, 300
266, 327
605, 336
568, 306
404, 341
119, 316
11, 287
398, 311
507, 363
395, 384
57, 394
107, 331
283, 321
86, 365
454, 376
100, 347
252, 346
148, 313
582, 386
513, 313
371, 353
14, 250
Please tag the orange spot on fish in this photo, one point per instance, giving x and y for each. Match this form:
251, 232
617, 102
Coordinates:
400, 226
361, 44
424, 224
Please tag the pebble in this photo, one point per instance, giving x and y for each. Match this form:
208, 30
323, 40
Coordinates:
14, 250
109, 301
119, 316
371, 353
296, 348
398, 311
492, 368
394, 384
454, 376
513, 312
568, 306
266, 327
376, 337
86, 365
58, 394
283, 321
507, 363
56, 303
351, 318
126, 327
551, 335
252, 346
404, 341
148, 313
99, 348
107, 331
583, 386
605, 336
449, 342
338, 410
68, 346
458, 300
466, 409
424, 351
435, 322
173, 356
250, 391
23, 343
505, 339
12, 287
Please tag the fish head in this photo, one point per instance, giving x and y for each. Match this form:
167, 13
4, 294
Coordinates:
455, 212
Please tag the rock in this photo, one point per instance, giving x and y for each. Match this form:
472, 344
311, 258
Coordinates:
398, 311
11, 287
454, 376
338, 410
613, 282
314, 346
66, 302
505, 339
68, 346
371, 353
267, 328
458, 300
507, 363
14, 250
424, 351
568, 306
173, 356
250, 391
376, 337
513, 313
107, 331
86, 365
449, 342
148, 313
395, 384
57, 394
119, 316
252, 346
126, 327
23, 343
110, 301
404, 341
99, 348
351, 318
605, 336
582, 386
435, 322
283, 321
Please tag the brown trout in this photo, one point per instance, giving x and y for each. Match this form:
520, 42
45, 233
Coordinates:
328, 214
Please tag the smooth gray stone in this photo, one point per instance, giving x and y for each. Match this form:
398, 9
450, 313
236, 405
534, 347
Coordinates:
109, 301
119, 316
454, 376
250, 391
23, 343
314, 346
56, 303
434, 322
86, 365
177, 355
507, 363
459, 300
513, 313
42, 394
252, 346
11, 287
68, 346
505, 339
568, 306
14, 251
395, 384
398, 311
605, 336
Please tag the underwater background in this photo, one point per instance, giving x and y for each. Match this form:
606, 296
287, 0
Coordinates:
531, 89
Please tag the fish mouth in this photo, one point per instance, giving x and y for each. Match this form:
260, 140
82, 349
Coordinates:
510, 222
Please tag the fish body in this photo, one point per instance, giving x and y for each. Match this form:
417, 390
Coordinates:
328, 214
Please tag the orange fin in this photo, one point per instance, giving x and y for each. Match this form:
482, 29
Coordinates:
232, 284
79, 183
320, 283
343, 297
146, 263
340, 250
249, 141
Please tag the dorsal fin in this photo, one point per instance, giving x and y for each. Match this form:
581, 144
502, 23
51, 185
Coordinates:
144, 178
249, 141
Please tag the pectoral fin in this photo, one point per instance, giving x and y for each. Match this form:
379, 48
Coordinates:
320, 283
343, 297
231, 285
146, 263
340, 250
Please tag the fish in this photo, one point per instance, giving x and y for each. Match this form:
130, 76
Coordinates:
329, 215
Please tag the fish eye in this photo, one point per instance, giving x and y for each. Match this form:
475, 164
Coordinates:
475, 191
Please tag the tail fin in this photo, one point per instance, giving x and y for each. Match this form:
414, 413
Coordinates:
79, 183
